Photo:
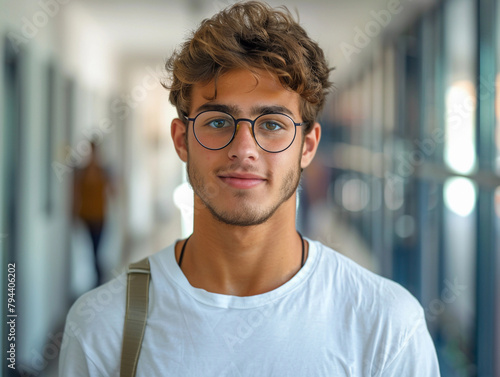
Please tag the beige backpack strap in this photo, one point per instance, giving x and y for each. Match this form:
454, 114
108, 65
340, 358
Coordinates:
135, 316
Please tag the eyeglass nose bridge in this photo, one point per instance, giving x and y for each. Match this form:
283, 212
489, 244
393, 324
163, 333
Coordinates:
237, 127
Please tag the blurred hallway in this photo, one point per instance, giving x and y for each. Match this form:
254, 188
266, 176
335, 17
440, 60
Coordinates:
406, 181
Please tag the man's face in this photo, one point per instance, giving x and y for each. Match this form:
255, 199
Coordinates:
242, 184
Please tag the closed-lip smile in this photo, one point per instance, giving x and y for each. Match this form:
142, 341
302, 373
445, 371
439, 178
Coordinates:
241, 180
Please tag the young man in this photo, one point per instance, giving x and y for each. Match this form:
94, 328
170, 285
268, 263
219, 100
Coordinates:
246, 295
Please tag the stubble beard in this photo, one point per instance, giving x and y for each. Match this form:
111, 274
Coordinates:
247, 213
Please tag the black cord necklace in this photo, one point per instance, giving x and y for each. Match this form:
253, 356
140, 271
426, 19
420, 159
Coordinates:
301, 239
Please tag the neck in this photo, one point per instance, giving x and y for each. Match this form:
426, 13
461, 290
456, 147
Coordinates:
242, 260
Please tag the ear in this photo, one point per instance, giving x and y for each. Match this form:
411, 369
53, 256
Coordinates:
178, 132
311, 142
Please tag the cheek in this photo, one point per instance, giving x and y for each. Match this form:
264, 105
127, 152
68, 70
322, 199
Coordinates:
200, 157
282, 165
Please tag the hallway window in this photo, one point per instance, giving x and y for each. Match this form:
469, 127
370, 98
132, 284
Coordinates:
497, 86
460, 92
457, 314
458, 317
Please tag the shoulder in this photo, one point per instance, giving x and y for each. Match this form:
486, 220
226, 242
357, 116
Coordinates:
386, 313
98, 308
363, 288
104, 306
94, 324
93, 331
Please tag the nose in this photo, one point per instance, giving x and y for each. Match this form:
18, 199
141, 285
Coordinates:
243, 145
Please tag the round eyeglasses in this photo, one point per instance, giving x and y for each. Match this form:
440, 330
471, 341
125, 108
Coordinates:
273, 132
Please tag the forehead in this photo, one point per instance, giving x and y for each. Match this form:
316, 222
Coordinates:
245, 91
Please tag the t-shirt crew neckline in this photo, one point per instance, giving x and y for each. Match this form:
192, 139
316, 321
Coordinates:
173, 272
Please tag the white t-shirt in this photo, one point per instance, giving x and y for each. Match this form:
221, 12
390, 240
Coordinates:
333, 318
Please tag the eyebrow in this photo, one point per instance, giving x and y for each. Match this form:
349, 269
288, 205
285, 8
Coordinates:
268, 109
235, 110
231, 109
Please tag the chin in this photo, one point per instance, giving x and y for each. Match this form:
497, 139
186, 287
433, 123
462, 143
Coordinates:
242, 216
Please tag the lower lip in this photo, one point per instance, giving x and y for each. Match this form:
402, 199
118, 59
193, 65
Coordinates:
241, 183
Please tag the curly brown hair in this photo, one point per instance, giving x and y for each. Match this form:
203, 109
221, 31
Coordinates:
251, 35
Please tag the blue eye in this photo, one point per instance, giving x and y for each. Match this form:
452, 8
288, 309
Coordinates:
218, 123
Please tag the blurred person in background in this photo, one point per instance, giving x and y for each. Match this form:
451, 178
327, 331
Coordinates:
91, 185
246, 294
